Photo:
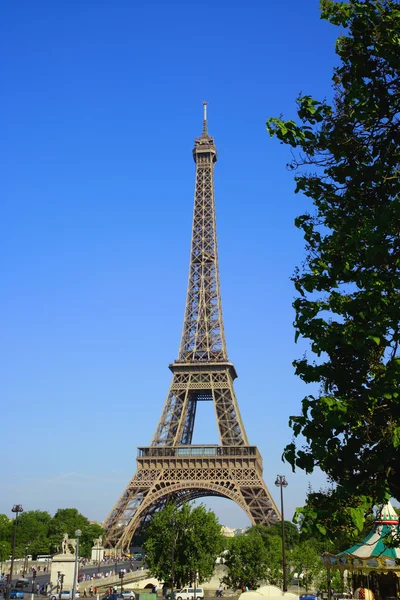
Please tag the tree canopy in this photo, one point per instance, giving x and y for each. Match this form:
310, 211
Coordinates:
42, 534
246, 560
348, 289
256, 557
183, 541
292, 533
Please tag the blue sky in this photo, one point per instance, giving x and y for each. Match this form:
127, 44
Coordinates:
100, 104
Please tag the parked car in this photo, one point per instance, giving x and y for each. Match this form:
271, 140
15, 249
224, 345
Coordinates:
65, 595
129, 595
189, 593
16, 594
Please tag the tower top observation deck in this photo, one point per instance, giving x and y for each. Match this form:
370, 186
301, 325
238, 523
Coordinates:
204, 144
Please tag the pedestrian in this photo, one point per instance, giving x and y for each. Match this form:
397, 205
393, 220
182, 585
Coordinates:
85, 593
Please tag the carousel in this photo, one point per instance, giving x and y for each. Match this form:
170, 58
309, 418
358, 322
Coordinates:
372, 567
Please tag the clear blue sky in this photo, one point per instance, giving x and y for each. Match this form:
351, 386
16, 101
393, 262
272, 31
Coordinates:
100, 104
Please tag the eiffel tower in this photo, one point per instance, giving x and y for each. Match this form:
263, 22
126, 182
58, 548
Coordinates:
171, 467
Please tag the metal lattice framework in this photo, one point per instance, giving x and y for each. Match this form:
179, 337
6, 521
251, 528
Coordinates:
173, 468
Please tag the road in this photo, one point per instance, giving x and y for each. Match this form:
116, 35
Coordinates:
43, 578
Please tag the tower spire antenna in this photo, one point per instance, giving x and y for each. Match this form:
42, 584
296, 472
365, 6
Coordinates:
205, 131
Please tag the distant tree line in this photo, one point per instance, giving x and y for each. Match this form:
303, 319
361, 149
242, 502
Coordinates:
41, 533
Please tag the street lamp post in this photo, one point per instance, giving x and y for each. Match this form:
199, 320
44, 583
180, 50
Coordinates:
17, 509
61, 584
25, 561
282, 483
121, 576
33, 582
173, 556
78, 534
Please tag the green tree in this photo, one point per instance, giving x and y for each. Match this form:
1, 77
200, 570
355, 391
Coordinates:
334, 531
274, 561
5, 551
68, 520
246, 560
305, 560
6, 525
32, 531
348, 302
292, 533
90, 532
184, 541
43, 533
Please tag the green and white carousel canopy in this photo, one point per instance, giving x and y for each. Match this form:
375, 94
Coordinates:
373, 553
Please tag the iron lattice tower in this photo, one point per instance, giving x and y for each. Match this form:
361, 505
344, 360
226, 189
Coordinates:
171, 467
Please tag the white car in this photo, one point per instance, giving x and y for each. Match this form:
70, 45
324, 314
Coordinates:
129, 594
189, 594
65, 595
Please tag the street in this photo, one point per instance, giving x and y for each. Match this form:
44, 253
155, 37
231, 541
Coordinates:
44, 578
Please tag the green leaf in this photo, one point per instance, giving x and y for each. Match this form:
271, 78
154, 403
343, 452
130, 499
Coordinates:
357, 517
396, 437
321, 528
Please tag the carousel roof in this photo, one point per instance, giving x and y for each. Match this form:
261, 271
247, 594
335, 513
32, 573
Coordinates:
386, 523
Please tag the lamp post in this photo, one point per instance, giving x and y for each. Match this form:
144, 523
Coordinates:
17, 509
78, 534
282, 483
25, 561
61, 584
33, 582
121, 576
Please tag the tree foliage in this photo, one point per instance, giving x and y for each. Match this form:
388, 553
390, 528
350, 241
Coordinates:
342, 520
257, 556
305, 559
42, 534
186, 540
32, 531
246, 560
348, 303
292, 533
